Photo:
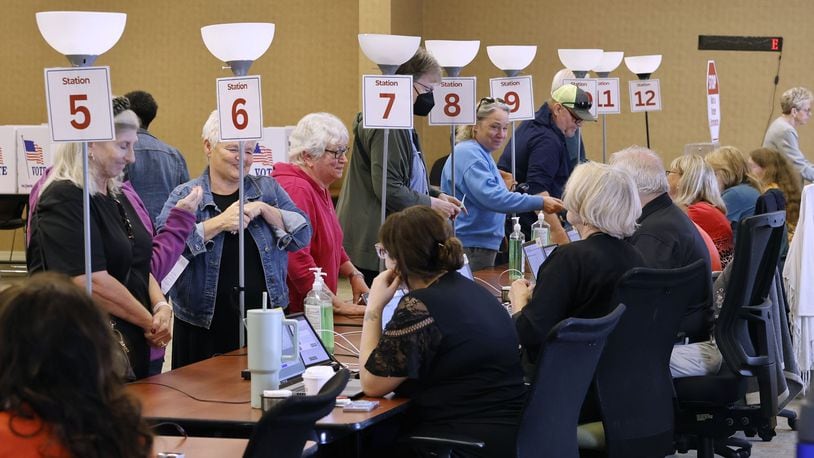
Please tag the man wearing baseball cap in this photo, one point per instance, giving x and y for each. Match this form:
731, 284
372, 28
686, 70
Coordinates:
542, 161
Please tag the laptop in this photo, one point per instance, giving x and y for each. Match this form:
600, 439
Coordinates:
536, 255
573, 235
312, 352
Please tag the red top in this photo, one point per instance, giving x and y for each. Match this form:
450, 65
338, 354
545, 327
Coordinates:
713, 221
28, 439
714, 257
325, 249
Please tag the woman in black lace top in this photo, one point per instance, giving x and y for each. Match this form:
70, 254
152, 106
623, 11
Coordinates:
450, 346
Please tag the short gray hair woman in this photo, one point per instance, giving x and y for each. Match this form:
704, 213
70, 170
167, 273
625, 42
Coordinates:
782, 136
313, 135
478, 180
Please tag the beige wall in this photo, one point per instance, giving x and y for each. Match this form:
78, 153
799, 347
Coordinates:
314, 62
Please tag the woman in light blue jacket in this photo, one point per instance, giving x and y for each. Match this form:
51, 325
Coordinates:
478, 180
205, 296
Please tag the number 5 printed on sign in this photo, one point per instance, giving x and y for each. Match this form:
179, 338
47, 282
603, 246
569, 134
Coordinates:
79, 104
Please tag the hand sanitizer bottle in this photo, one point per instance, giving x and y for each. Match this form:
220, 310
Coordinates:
516, 239
319, 309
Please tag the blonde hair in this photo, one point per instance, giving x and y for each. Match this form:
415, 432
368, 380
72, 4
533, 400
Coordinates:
604, 197
697, 182
485, 108
314, 132
68, 160
730, 165
794, 98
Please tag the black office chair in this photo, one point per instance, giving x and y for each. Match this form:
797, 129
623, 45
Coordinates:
437, 169
283, 430
710, 409
565, 367
12, 211
633, 385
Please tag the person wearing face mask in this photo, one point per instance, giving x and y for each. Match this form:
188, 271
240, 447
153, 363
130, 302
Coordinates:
542, 160
359, 206
477, 178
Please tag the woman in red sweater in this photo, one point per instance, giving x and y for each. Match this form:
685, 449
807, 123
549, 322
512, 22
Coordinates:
318, 153
694, 188
60, 392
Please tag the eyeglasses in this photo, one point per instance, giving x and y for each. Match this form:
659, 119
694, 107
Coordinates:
380, 251
428, 89
577, 119
489, 101
339, 152
128, 226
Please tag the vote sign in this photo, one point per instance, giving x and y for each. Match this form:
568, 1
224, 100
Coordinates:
454, 102
608, 98
588, 85
645, 95
387, 101
79, 104
518, 95
240, 108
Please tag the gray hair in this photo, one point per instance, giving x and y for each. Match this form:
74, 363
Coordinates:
604, 197
464, 133
646, 168
314, 132
697, 183
68, 156
556, 82
794, 98
211, 131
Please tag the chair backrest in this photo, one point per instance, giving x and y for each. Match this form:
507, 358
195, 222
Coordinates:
565, 368
744, 330
283, 430
12, 207
633, 381
770, 201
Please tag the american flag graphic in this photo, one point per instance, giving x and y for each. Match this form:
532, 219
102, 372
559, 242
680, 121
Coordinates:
33, 152
262, 155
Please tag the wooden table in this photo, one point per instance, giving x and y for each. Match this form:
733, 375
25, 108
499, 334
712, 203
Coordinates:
216, 402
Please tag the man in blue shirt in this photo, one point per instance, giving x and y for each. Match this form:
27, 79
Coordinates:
159, 167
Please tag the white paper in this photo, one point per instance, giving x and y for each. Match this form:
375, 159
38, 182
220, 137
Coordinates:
240, 108
173, 275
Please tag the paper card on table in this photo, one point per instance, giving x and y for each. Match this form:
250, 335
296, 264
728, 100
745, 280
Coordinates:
589, 85
608, 99
79, 104
240, 108
387, 101
645, 95
454, 102
518, 95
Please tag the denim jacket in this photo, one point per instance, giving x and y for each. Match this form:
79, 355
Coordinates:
195, 290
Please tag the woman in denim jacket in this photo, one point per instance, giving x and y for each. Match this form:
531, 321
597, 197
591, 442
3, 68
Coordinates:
205, 294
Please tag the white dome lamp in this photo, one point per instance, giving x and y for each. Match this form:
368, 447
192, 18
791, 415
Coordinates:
453, 55
388, 51
580, 61
511, 59
238, 44
81, 36
643, 66
608, 63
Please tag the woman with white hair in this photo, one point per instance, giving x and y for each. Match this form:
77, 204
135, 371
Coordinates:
318, 149
578, 279
694, 188
205, 295
782, 135
121, 246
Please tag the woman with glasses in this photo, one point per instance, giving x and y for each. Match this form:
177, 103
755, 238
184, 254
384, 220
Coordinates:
782, 135
450, 346
694, 188
318, 153
121, 245
205, 296
479, 184
359, 206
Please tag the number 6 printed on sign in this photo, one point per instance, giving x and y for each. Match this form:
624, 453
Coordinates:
240, 108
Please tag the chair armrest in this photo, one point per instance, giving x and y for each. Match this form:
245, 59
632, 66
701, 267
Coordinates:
446, 442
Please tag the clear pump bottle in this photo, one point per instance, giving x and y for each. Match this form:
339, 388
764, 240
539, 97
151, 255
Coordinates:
516, 239
541, 230
319, 309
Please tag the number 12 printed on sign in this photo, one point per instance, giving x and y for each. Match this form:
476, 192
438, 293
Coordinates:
645, 95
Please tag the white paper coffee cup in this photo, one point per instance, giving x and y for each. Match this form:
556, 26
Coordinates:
314, 377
